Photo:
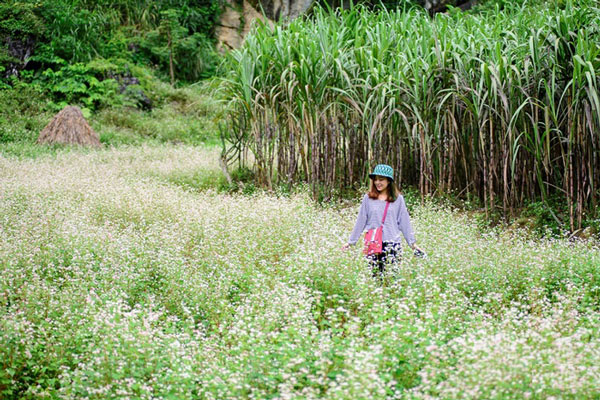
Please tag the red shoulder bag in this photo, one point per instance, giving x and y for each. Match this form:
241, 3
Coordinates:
374, 237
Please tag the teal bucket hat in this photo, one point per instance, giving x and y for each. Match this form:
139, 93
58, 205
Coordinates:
382, 170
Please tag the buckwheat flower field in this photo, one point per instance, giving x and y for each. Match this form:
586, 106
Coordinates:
125, 275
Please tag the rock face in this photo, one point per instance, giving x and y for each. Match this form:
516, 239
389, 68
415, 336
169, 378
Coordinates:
69, 127
21, 50
237, 19
280, 9
236, 22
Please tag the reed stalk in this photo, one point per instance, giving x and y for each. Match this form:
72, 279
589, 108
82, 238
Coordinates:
502, 107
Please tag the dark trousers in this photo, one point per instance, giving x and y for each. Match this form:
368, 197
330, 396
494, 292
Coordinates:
392, 252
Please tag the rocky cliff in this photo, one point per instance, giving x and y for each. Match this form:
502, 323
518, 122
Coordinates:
236, 20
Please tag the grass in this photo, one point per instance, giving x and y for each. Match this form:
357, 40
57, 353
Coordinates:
120, 279
186, 115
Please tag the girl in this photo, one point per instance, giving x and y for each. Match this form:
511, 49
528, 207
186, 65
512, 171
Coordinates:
384, 190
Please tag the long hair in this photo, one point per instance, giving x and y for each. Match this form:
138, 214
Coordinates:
392, 190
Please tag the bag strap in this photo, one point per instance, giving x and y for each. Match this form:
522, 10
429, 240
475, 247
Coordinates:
387, 205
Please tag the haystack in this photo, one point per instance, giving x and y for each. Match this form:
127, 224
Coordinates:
69, 127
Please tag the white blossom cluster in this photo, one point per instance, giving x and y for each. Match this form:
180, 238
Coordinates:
117, 281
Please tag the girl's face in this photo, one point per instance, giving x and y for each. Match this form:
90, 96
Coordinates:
381, 183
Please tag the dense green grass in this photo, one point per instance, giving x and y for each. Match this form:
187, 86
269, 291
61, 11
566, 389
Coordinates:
187, 115
122, 277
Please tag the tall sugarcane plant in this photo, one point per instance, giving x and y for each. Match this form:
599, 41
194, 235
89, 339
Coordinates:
500, 106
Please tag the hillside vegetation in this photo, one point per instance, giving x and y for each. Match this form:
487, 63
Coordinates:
131, 65
40, 35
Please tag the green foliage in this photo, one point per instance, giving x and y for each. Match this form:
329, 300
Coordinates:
495, 5
185, 115
77, 84
76, 33
82, 31
193, 54
119, 126
202, 180
20, 20
542, 216
199, 180
98, 84
88, 53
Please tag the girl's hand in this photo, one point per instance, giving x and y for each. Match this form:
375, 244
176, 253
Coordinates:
418, 252
346, 247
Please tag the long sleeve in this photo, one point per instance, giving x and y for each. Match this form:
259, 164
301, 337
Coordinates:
404, 223
361, 221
